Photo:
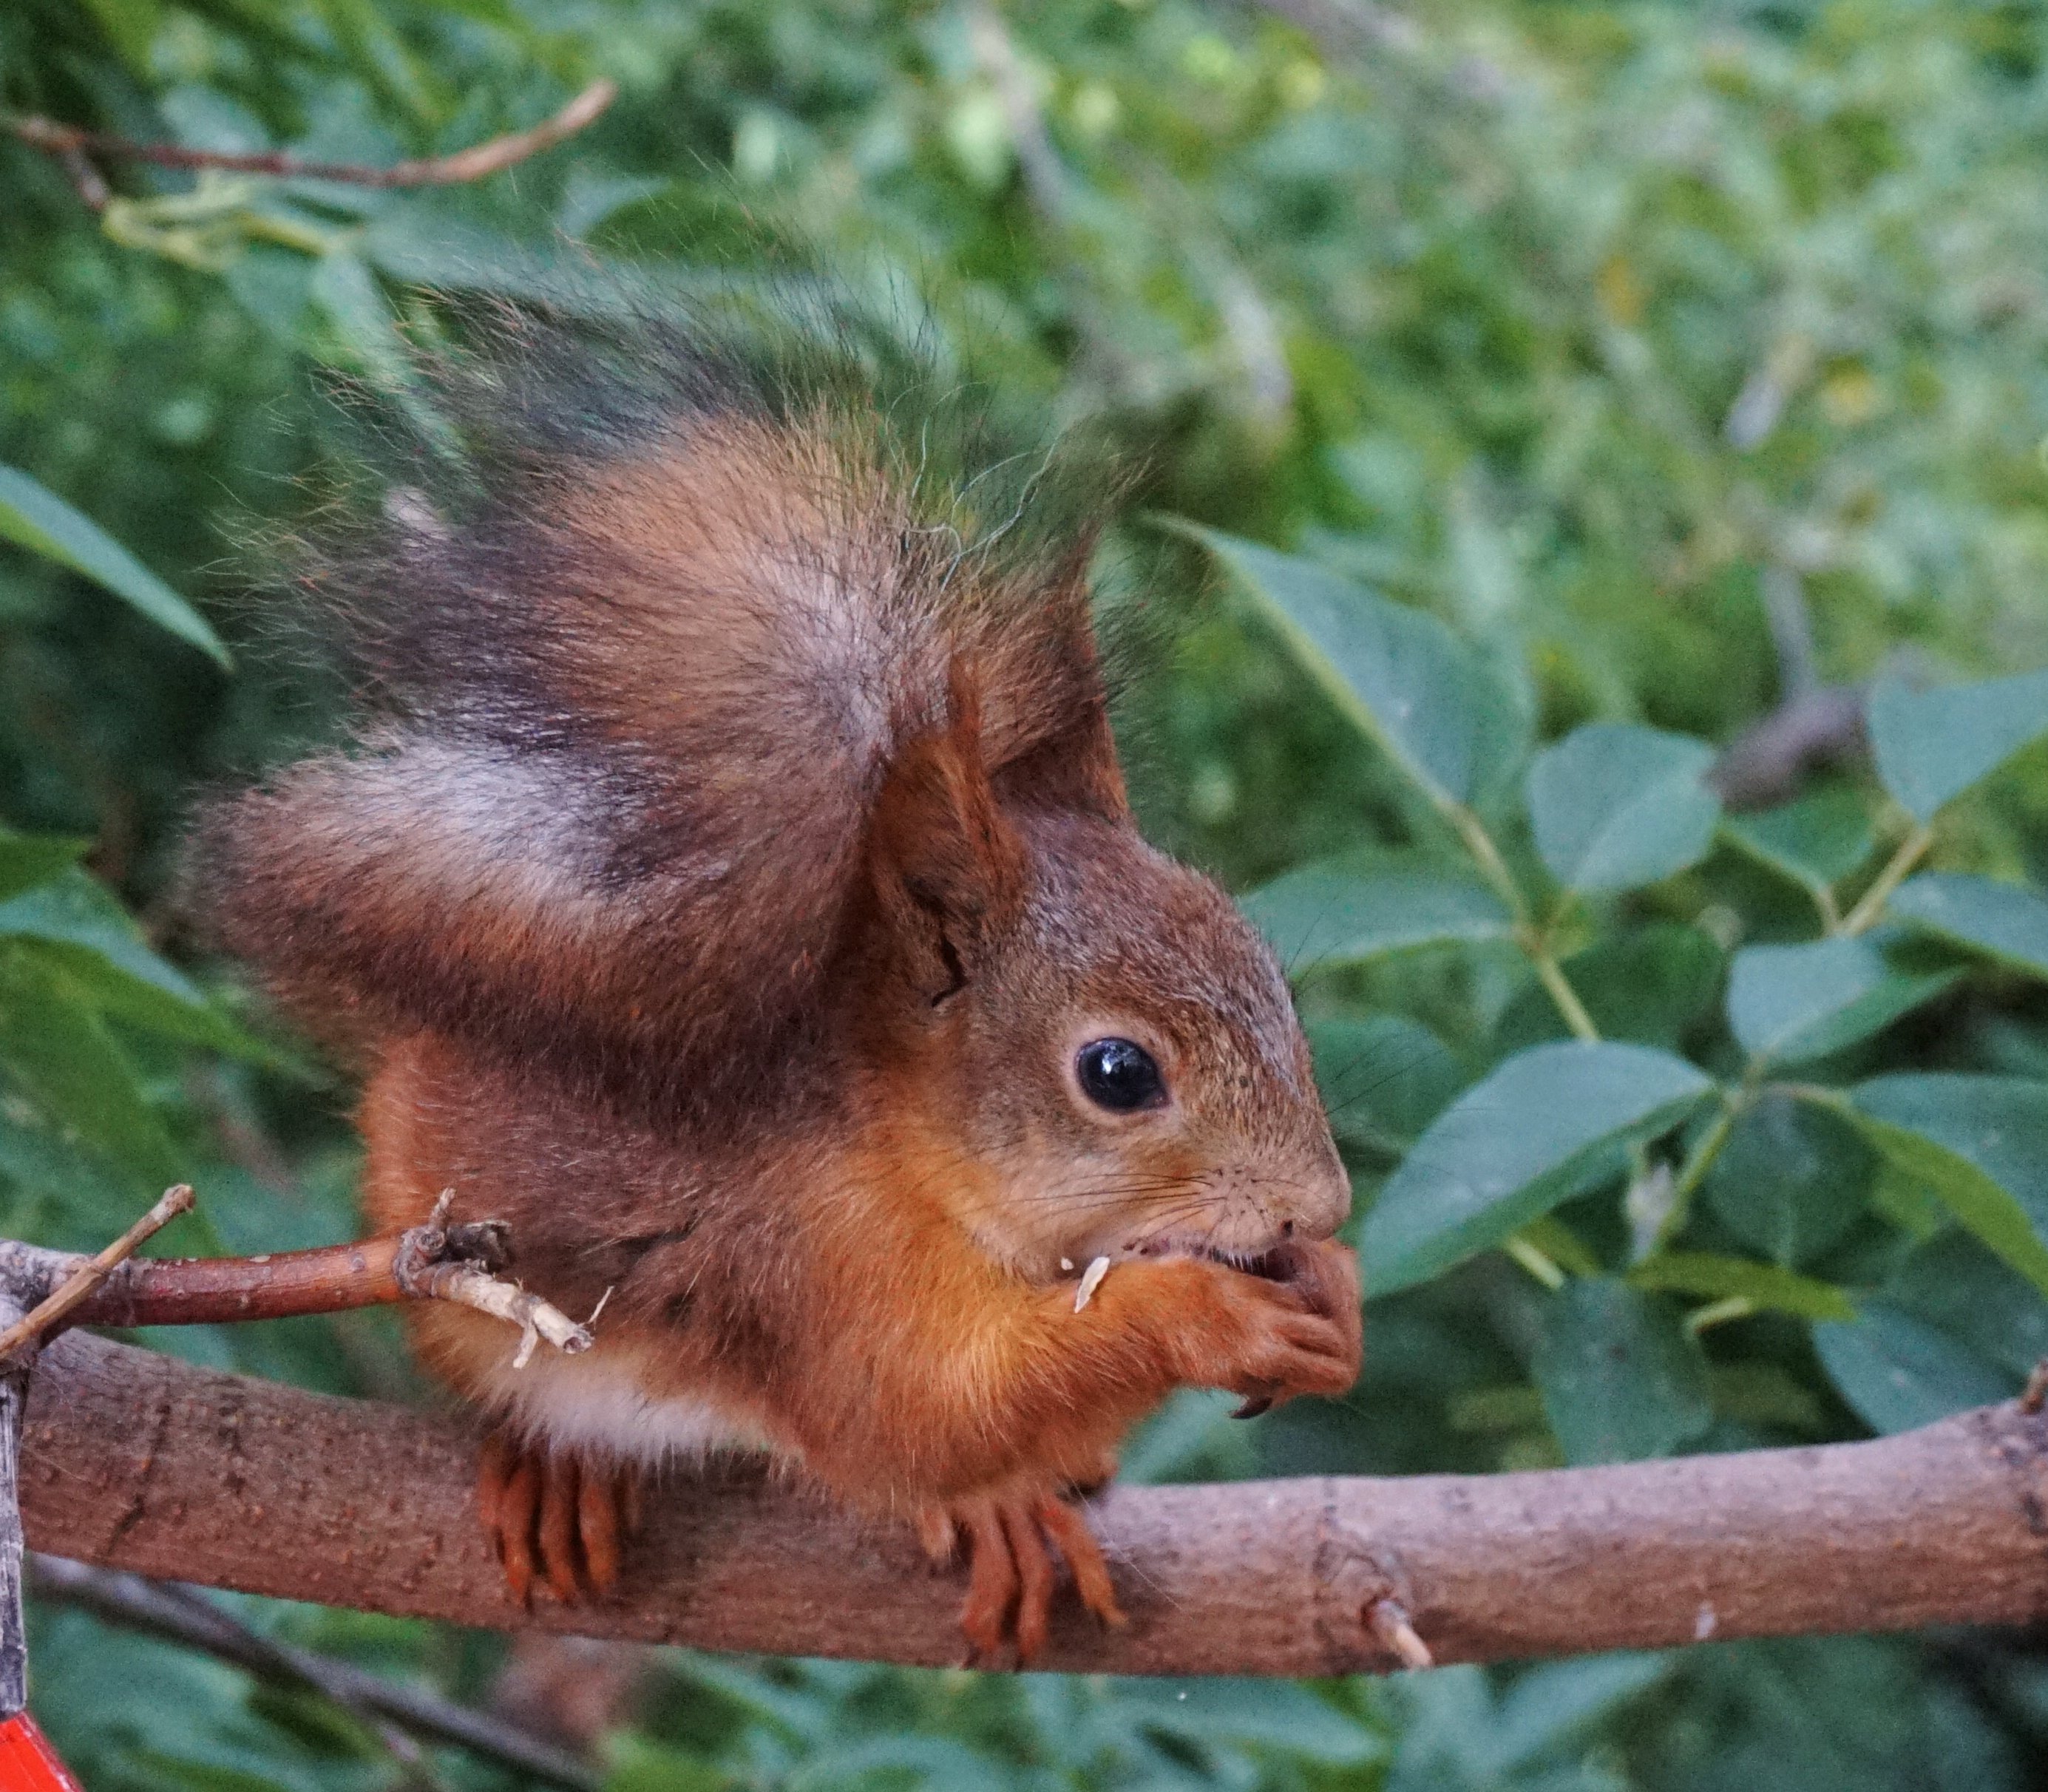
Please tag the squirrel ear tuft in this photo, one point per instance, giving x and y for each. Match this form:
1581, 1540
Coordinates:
946, 864
1048, 732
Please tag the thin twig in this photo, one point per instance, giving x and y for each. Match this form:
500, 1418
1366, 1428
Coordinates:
1044, 175
1813, 725
13, 1624
182, 1615
1345, 30
1790, 620
89, 1275
1768, 762
86, 181
1340, 26
474, 164
435, 1262
1049, 188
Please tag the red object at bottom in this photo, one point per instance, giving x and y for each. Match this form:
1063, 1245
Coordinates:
28, 1763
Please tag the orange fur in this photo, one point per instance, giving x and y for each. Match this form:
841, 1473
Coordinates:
726, 913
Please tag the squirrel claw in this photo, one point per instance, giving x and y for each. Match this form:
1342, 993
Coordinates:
551, 1516
1011, 1573
936, 1532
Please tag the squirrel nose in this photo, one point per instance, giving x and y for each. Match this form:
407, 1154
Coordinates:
1323, 1203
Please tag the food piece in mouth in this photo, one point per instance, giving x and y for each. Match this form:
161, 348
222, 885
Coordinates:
1090, 1280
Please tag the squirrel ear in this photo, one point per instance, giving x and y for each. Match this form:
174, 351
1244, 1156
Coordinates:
946, 864
1052, 744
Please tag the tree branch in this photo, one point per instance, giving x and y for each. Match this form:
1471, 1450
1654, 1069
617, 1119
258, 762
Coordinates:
181, 1615
136, 1461
67, 143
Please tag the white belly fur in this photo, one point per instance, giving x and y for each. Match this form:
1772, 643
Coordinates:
596, 1408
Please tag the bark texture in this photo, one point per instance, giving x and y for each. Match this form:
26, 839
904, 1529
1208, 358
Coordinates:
138, 1461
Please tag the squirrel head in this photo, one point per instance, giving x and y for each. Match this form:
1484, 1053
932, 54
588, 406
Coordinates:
1094, 1031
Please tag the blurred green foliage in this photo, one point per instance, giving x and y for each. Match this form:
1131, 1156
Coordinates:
1584, 374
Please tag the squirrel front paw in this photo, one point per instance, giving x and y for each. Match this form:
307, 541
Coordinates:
1011, 1574
551, 1512
1297, 1327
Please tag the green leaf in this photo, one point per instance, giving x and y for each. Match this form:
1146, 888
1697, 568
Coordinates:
424, 244
1550, 1705
1816, 841
638, 1765
1932, 746
1954, 1283
1399, 674
1190, 1437
1767, 1396
932, 1763
58, 1052
1762, 1285
1899, 1373
64, 1196
1981, 1143
1615, 807
1508, 1150
1330, 913
74, 922
1619, 1377
274, 285
1264, 1713
37, 519
1383, 1077
2002, 920
28, 859
348, 294
1790, 1003
1651, 985
1792, 1180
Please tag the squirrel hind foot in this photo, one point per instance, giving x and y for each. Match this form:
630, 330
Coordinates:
550, 1515
1011, 1575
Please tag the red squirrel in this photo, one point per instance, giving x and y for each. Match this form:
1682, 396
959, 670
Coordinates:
730, 879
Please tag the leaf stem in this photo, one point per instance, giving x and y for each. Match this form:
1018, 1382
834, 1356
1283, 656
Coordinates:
1551, 975
1692, 1172
1537, 1264
1478, 843
1818, 1095
1535, 941
1871, 905
1718, 1312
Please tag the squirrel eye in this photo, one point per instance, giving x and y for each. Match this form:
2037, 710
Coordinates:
1120, 1075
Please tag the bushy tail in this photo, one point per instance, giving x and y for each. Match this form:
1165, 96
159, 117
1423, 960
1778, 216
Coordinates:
633, 670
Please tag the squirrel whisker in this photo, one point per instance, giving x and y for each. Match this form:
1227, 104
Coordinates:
729, 866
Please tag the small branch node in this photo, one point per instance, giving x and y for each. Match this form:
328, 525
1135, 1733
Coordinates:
2035, 1395
438, 1262
88, 1276
1388, 1620
480, 1244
